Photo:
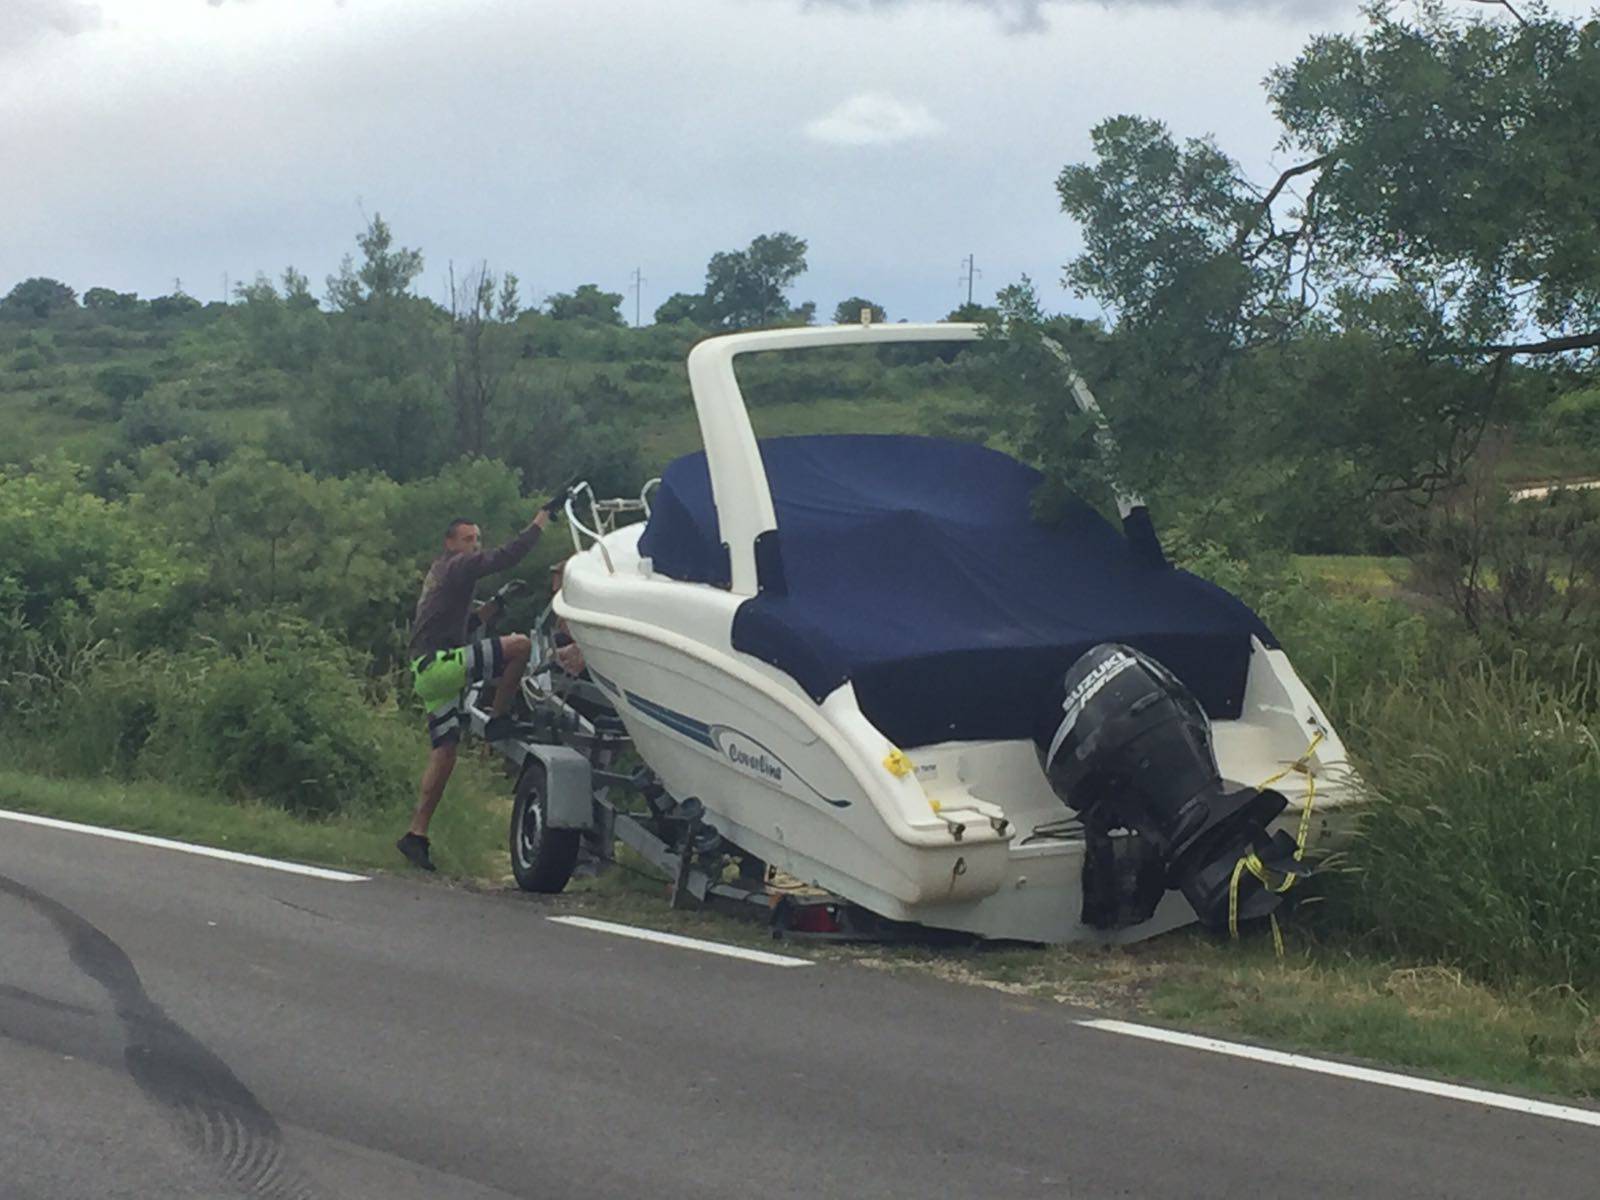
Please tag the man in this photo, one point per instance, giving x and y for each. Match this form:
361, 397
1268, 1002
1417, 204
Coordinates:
444, 663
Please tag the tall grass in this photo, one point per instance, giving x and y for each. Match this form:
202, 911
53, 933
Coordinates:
1481, 843
1479, 846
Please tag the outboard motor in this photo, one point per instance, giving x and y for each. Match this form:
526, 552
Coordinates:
1129, 748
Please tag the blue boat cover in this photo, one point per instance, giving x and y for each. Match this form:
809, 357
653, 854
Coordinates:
914, 568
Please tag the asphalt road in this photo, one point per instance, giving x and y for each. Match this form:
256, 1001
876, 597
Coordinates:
177, 1027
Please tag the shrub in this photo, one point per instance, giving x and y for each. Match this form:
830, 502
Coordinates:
643, 372
1522, 578
1575, 417
121, 385
71, 556
1481, 842
282, 722
572, 427
154, 419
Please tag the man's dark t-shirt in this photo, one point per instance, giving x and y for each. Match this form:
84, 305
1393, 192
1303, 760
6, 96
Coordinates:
440, 622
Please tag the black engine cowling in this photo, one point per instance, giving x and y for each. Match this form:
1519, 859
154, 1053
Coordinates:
1127, 747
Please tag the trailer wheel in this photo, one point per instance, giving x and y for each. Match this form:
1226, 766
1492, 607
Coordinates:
541, 858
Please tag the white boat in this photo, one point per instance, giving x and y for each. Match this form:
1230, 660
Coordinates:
849, 651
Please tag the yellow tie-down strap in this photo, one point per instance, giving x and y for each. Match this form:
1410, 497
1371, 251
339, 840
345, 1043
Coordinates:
1250, 862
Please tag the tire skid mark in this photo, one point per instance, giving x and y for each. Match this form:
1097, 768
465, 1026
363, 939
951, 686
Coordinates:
215, 1113
8, 992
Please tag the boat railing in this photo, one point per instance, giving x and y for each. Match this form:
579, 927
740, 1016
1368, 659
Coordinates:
602, 516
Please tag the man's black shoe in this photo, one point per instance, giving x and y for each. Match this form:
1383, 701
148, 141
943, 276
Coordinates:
497, 729
415, 847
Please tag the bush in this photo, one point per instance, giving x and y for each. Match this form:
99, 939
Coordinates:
1345, 646
1575, 417
283, 723
152, 420
280, 721
642, 372
561, 429
1481, 843
121, 385
73, 558
1523, 578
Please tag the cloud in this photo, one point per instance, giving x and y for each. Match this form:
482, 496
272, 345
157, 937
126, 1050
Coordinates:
873, 119
1028, 16
1016, 16
23, 21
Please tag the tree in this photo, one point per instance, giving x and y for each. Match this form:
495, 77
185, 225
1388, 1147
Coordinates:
681, 306
178, 304
848, 311
100, 299
285, 331
569, 426
480, 350
38, 297
1376, 290
56, 571
378, 393
270, 535
509, 305
745, 288
297, 290
120, 385
385, 272
587, 301
980, 314
1445, 173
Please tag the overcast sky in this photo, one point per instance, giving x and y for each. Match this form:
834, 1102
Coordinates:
147, 140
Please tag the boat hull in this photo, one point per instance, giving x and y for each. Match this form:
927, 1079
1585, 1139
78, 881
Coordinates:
804, 787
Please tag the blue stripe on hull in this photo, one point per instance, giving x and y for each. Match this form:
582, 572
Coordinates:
698, 731
678, 722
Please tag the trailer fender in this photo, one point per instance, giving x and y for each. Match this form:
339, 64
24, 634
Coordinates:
569, 787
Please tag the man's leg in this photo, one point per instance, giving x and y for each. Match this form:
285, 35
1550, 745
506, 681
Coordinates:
441, 762
444, 733
515, 650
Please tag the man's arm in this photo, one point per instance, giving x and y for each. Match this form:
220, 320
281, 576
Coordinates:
488, 562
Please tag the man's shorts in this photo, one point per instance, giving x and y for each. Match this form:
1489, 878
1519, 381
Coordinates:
441, 680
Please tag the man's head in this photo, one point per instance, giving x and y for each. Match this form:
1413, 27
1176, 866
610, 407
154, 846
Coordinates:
461, 537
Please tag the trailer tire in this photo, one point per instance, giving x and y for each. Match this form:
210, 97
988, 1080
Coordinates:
542, 858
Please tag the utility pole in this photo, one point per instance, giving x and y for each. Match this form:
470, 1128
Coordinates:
638, 291
225, 287
969, 270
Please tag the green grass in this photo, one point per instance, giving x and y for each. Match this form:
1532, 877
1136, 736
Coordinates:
1366, 574
469, 829
668, 438
1426, 1018
1322, 998
33, 429
1540, 463
245, 424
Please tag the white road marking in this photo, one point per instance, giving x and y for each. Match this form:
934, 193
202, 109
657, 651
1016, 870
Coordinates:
160, 843
1323, 1066
684, 943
